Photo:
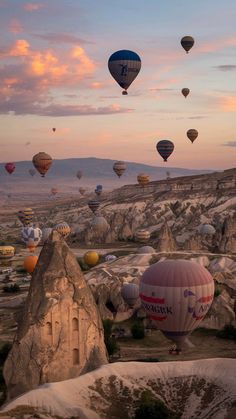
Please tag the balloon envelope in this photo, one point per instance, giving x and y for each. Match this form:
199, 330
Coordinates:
7, 252
187, 43
32, 172
110, 258
185, 91
142, 236
42, 162
91, 258
176, 294
31, 236
46, 231
119, 168
165, 148
93, 205
130, 293
10, 167
124, 66
63, 229
26, 216
206, 229
82, 190
192, 134
30, 263
143, 179
100, 225
79, 174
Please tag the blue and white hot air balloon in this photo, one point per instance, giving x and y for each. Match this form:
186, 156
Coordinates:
124, 66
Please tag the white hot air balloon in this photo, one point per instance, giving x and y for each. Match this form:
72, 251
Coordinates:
31, 236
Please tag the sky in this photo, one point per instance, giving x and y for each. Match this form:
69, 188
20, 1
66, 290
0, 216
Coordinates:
53, 73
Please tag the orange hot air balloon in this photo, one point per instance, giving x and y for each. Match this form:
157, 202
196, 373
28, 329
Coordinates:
91, 258
192, 134
143, 179
30, 262
42, 162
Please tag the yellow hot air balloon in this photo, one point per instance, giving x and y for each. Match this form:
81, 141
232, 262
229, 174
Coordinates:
7, 252
143, 179
42, 162
91, 258
30, 262
192, 134
63, 229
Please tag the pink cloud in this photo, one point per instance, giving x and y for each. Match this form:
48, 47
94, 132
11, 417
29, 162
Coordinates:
15, 26
31, 7
228, 104
216, 45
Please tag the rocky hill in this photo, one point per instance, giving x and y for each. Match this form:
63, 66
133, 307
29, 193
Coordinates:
192, 389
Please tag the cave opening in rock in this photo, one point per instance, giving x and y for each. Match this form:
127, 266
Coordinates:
75, 356
110, 306
49, 328
75, 324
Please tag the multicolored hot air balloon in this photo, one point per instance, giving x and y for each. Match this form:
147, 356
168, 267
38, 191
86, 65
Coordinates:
26, 216
176, 294
142, 236
192, 134
130, 293
42, 162
63, 229
32, 172
7, 252
10, 167
31, 236
79, 174
165, 148
124, 66
110, 258
98, 190
143, 179
119, 168
187, 43
82, 190
100, 225
93, 205
185, 92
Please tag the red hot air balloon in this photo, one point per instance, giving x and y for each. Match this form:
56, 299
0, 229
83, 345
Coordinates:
176, 294
165, 148
10, 167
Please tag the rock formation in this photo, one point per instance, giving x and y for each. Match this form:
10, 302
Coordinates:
165, 241
60, 334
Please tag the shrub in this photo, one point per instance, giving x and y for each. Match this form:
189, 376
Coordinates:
228, 332
137, 330
152, 408
217, 292
110, 342
11, 288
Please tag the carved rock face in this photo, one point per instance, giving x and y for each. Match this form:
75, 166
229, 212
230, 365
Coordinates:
60, 334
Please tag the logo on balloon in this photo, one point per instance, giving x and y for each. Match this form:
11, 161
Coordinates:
198, 307
156, 307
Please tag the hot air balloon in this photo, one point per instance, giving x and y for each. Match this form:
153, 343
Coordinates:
31, 236
165, 148
79, 174
42, 162
32, 172
30, 262
119, 168
192, 134
91, 258
54, 129
82, 190
167, 175
176, 294
187, 43
100, 225
110, 258
124, 67
93, 205
98, 190
146, 250
63, 229
206, 229
142, 236
26, 216
130, 293
10, 167
46, 231
185, 92
7, 252
54, 191
143, 179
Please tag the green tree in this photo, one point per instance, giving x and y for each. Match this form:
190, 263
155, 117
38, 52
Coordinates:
110, 341
152, 408
137, 330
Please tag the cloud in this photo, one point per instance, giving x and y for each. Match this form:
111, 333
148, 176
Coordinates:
18, 49
62, 38
228, 104
15, 26
229, 144
216, 44
226, 67
32, 7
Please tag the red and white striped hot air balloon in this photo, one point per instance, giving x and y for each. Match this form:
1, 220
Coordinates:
176, 294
